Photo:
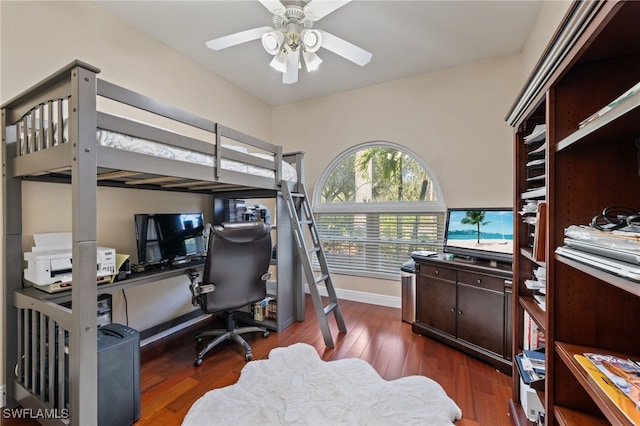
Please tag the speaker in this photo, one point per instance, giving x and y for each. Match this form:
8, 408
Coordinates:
118, 375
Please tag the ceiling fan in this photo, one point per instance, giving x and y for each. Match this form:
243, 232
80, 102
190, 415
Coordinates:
293, 37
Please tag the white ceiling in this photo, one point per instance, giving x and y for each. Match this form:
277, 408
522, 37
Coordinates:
407, 38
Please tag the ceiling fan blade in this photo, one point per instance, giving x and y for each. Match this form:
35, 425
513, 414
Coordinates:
293, 61
317, 9
237, 38
274, 6
345, 49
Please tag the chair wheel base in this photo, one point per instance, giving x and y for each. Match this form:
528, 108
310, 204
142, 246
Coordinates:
265, 334
197, 362
248, 356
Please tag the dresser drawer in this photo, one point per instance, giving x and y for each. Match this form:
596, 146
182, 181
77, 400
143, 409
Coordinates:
438, 272
480, 280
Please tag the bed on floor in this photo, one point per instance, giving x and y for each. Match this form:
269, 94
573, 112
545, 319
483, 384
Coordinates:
76, 129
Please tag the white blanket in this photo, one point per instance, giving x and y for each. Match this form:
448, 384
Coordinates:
295, 386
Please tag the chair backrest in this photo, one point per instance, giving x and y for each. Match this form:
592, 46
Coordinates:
239, 254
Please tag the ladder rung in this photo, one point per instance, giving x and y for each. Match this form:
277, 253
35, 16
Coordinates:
306, 222
313, 250
322, 278
297, 195
330, 307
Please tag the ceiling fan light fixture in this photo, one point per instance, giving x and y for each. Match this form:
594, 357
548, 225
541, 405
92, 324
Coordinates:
312, 39
271, 41
279, 61
311, 60
292, 40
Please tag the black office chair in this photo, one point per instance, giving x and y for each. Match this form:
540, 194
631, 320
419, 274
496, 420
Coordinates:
235, 274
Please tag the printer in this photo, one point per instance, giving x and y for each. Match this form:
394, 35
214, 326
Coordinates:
49, 264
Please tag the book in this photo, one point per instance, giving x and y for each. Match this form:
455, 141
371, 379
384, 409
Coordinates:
624, 373
536, 358
619, 398
528, 374
541, 300
539, 238
533, 336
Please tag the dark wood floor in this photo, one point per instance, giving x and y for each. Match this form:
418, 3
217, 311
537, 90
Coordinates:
171, 384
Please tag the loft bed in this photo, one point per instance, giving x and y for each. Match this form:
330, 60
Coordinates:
57, 131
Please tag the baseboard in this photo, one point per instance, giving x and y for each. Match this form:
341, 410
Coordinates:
364, 297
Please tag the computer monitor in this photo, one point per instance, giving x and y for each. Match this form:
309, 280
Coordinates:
164, 238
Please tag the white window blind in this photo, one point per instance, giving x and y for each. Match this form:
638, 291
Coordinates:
377, 244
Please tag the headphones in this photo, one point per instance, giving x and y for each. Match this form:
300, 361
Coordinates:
617, 217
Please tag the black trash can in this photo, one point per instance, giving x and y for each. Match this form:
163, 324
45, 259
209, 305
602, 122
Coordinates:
408, 284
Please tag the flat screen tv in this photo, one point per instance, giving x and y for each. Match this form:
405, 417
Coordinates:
166, 238
480, 233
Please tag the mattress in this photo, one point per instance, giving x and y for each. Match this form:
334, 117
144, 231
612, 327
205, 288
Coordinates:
129, 143
156, 149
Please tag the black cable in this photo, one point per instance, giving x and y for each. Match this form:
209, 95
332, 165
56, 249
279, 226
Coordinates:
126, 307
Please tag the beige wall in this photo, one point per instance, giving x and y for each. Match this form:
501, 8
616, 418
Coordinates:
453, 114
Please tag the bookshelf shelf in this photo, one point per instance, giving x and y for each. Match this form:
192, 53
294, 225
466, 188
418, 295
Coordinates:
629, 286
613, 124
566, 417
584, 95
537, 314
533, 194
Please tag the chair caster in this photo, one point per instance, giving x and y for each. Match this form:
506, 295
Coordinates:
248, 356
265, 334
197, 362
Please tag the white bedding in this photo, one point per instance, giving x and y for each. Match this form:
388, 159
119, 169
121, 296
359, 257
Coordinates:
157, 149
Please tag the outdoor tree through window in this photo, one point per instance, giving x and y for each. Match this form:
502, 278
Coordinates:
377, 203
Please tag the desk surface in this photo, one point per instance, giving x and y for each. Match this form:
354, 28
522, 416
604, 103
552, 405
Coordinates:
136, 279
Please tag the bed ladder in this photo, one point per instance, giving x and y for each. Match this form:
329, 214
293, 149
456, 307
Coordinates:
308, 245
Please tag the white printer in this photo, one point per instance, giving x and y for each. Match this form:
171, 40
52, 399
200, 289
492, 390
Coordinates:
49, 264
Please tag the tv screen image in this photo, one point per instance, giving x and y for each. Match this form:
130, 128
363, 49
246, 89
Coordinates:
169, 237
482, 233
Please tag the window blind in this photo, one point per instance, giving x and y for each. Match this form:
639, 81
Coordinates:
377, 244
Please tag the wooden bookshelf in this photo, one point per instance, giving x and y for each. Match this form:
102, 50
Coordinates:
593, 58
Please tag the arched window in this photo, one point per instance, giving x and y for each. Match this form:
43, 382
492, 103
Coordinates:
373, 205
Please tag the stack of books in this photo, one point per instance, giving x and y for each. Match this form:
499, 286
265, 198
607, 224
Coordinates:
532, 367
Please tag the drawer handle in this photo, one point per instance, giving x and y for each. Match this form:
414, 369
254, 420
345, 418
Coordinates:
459, 312
437, 272
453, 309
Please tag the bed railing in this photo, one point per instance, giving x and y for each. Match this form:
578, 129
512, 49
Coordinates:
39, 129
42, 370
